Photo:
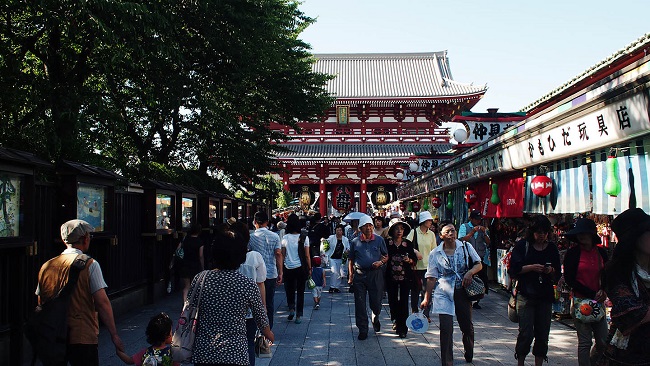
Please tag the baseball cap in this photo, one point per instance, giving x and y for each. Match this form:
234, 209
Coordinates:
73, 230
475, 215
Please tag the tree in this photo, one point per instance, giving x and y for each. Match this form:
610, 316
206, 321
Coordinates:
141, 87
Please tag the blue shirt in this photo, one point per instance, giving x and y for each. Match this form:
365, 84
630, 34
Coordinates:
317, 275
364, 253
266, 242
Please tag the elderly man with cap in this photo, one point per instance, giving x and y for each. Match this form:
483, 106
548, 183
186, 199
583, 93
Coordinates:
368, 254
88, 299
479, 236
424, 241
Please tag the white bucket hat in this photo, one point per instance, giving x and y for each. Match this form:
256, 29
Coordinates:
424, 216
364, 220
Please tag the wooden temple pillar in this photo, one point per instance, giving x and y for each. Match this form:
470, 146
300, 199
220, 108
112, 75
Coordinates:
363, 195
322, 199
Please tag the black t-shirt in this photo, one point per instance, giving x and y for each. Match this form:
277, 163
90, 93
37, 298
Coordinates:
338, 249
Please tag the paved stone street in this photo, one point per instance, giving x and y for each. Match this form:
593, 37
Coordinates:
329, 337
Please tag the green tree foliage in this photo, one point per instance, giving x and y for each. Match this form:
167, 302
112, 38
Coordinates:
156, 86
284, 199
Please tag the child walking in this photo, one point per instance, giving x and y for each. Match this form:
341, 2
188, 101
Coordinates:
159, 336
318, 275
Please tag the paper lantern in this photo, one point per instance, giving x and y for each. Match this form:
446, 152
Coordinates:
436, 202
470, 196
450, 201
613, 182
409, 208
416, 206
541, 185
413, 167
460, 135
494, 199
425, 205
399, 175
402, 207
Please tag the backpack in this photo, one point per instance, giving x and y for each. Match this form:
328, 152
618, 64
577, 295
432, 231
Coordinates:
157, 357
47, 329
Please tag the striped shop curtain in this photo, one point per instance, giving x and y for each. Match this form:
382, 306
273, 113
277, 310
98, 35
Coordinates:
570, 192
634, 173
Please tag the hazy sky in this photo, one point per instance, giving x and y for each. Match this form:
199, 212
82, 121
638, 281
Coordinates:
521, 49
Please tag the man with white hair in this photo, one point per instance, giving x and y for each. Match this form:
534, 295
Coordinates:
368, 253
86, 301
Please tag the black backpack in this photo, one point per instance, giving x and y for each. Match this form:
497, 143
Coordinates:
47, 328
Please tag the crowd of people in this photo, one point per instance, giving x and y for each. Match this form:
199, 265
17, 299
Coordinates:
420, 261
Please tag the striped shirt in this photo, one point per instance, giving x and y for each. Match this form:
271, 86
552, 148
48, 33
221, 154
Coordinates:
266, 242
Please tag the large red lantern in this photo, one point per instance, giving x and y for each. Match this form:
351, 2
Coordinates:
436, 202
416, 206
402, 207
541, 185
470, 196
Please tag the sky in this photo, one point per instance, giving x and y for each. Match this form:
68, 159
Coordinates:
521, 49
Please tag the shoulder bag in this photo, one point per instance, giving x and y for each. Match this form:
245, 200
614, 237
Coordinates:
183, 338
476, 289
513, 314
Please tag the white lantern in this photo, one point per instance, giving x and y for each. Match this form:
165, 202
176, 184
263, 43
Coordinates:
399, 175
460, 135
413, 166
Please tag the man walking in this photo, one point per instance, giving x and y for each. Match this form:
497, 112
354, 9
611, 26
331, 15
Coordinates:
368, 253
267, 243
87, 299
477, 235
317, 232
424, 241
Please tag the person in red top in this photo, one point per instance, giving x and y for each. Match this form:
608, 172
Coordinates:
583, 265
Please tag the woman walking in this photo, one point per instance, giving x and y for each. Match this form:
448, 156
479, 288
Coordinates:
338, 245
192, 262
583, 265
453, 265
535, 262
297, 267
225, 299
627, 282
400, 274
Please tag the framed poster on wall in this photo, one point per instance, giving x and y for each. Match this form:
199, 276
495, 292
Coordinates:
91, 204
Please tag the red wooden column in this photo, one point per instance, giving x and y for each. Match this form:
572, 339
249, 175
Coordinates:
285, 179
363, 195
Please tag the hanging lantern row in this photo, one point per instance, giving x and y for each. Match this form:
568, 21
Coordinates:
416, 206
425, 205
436, 202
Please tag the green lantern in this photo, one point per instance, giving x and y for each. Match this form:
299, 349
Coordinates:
495, 200
450, 201
425, 205
613, 182
409, 208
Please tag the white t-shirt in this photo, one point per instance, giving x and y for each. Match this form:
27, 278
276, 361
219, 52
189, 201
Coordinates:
254, 267
290, 243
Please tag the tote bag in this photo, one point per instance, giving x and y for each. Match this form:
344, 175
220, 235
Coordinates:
183, 338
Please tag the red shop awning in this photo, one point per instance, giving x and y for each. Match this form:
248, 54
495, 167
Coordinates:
510, 191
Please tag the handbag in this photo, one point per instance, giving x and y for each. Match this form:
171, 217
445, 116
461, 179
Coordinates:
588, 310
183, 338
262, 346
476, 289
513, 315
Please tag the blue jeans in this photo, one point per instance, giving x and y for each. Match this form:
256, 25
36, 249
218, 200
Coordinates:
251, 329
269, 287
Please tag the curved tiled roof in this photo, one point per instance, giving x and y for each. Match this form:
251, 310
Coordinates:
391, 75
639, 43
358, 151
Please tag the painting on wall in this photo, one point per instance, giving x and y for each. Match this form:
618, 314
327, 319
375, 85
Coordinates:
10, 210
90, 204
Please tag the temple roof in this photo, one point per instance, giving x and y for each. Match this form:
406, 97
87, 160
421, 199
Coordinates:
359, 151
392, 75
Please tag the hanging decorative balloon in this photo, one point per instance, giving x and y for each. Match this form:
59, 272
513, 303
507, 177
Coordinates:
436, 202
541, 185
613, 182
425, 205
450, 201
495, 200
470, 197
416, 206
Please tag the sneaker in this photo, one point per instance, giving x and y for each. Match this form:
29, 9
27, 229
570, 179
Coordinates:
477, 306
291, 314
336, 291
331, 290
375, 323
402, 335
298, 320
317, 306
362, 336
